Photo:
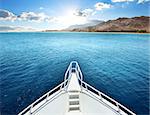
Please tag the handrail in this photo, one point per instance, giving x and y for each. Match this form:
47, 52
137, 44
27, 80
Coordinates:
83, 85
64, 83
101, 94
31, 106
117, 104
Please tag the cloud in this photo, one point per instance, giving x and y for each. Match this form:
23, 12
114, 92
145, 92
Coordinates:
52, 19
27, 16
138, 1
142, 1
15, 29
6, 15
31, 16
122, 0
36, 17
6, 28
84, 13
101, 6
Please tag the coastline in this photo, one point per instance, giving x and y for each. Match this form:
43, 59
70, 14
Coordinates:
99, 32
77, 32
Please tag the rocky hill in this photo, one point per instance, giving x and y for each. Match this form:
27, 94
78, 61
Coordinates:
89, 23
135, 24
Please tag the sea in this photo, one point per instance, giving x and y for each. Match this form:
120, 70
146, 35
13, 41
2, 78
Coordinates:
32, 63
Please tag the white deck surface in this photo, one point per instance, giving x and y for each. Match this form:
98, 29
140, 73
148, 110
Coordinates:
55, 107
91, 106
87, 104
73, 84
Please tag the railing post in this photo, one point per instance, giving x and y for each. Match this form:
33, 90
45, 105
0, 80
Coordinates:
100, 94
65, 87
81, 85
81, 82
118, 109
86, 87
31, 109
61, 87
70, 69
47, 96
81, 79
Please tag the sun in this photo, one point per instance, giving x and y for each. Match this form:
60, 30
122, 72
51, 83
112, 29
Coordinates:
69, 18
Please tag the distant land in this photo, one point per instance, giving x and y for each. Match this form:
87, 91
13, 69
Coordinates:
136, 24
89, 23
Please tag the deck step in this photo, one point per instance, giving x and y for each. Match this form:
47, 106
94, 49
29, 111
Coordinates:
74, 108
73, 96
73, 91
74, 102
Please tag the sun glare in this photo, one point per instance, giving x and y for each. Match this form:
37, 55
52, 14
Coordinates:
70, 19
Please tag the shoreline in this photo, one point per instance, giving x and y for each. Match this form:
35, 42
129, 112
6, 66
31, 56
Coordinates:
78, 32
98, 32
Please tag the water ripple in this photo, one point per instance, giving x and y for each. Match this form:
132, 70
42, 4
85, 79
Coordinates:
33, 63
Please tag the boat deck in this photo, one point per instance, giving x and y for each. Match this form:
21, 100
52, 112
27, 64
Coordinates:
73, 101
74, 96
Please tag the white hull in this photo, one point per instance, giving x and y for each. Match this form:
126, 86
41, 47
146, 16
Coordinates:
74, 96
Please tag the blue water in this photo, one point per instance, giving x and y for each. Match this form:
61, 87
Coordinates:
33, 63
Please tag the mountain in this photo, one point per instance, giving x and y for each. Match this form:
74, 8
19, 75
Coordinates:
135, 24
81, 26
89, 23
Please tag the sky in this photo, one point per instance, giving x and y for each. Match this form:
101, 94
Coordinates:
31, 15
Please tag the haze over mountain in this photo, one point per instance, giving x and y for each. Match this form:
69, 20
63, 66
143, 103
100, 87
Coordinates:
4, 28
89, 23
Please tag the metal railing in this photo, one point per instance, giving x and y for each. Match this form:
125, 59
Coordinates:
100, 95
74, 67
45, 97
